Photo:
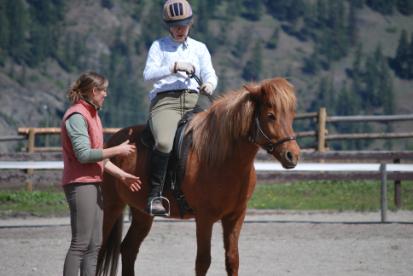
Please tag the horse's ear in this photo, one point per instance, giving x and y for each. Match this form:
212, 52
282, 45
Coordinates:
254, 91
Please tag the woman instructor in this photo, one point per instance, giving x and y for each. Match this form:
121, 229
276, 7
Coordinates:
84, 162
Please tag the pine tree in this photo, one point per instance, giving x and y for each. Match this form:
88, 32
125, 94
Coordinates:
4, 33
108, 4
357, 75
352, 24
47, 12
234, 8
321, 13
273, 41
4, 27
386, 93
345, 106
137, 10
295, 9
315, 62
18, 19
357, 3
325, 96
379, 86
241, 45
409, 58
252, 9
336, 47
151, 29
277, 9
405, 7
382, 6
202, 18
253, 69
400, 62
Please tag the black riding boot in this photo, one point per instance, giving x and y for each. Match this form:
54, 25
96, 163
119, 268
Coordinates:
159, 165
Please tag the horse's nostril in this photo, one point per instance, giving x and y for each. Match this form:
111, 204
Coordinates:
289, 156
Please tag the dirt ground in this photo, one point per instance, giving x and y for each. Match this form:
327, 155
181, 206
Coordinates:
271, 243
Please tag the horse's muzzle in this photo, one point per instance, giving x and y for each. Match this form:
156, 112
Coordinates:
289, 156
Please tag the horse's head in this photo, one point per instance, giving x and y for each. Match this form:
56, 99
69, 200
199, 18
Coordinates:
272, 125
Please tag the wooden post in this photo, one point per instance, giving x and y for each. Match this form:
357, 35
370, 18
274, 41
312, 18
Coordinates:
30, 149
383, 193
397, 189
321, 135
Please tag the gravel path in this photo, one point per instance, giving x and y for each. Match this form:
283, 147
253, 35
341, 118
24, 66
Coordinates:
272, 243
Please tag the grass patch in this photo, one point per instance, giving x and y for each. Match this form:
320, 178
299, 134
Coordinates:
329, 195
308, 195
36, 203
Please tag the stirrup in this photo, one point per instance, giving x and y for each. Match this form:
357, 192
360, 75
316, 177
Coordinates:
163, 200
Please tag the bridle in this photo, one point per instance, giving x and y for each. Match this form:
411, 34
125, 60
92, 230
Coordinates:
269, 146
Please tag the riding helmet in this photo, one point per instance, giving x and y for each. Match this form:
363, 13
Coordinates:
177, 13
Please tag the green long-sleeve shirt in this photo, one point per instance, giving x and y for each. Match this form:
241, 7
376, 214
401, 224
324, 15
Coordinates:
77, 131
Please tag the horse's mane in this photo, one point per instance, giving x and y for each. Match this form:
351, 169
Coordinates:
230, 117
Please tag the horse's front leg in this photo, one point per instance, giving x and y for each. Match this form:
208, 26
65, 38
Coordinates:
203, 237
139, 229
231, 225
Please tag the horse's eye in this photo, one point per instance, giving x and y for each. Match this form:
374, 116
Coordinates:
271, 117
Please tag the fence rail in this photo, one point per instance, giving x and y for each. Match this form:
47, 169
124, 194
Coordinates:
12, 138
321, 133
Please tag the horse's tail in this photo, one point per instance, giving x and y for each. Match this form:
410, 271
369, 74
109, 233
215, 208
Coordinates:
110, 250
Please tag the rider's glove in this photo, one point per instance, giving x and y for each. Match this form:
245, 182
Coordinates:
183, 66
207, 88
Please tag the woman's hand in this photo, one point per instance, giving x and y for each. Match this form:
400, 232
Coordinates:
131, 181
126, 148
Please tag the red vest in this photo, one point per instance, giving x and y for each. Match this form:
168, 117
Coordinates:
73, 170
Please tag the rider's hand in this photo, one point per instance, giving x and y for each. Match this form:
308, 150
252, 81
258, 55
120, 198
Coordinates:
183, 66
207, 88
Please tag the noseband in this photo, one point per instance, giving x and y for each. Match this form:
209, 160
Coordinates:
269, 146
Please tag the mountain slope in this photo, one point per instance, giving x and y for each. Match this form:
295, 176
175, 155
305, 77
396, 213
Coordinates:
114, 41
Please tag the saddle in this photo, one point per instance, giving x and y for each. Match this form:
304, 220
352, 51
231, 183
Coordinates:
177, 159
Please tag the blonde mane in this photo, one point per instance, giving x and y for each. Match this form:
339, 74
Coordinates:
229, 118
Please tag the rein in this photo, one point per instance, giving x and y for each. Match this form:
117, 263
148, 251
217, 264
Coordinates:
199, 81
269, 146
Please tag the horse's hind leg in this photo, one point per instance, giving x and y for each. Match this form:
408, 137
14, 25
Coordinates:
231, 226
139, 229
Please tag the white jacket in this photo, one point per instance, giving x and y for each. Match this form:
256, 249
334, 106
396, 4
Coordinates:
161, 58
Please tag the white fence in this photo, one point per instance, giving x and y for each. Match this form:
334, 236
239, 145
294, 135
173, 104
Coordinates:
267, 167
259, 166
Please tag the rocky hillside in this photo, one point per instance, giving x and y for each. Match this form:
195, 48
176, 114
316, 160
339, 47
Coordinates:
249, 40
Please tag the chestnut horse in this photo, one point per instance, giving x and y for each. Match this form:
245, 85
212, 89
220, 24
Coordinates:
219, 177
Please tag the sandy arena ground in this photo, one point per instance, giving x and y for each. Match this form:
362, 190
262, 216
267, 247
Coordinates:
271, 243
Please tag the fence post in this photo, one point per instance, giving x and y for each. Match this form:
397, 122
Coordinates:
397, 189
30, 149
321, 135
383, 193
